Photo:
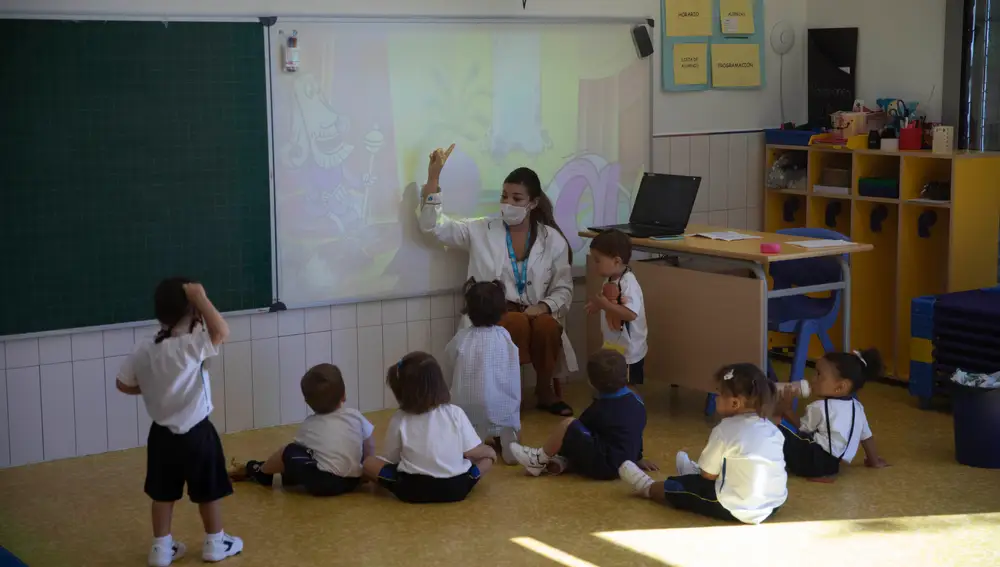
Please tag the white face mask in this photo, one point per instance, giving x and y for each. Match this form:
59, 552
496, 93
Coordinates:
512, 214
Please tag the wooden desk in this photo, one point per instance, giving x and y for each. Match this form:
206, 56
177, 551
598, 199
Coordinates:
701, 320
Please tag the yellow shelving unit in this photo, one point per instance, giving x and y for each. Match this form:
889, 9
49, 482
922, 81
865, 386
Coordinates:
957, 251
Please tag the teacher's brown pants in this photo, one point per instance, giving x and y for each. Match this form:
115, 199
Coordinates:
539, 341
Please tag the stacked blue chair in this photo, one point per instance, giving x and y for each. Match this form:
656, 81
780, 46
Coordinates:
964, 332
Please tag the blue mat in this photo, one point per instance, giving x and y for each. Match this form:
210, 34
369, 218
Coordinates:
7, 559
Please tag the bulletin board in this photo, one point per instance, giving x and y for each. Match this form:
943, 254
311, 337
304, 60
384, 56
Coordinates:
693, 41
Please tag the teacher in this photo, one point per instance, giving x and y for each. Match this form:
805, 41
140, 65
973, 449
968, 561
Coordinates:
525, 250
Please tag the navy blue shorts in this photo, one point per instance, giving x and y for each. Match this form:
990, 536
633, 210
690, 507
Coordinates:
302, 470
637, 372
194, 458
805, 457
423, 489
586, 455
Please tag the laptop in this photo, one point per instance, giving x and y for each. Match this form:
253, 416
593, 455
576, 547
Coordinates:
662, 206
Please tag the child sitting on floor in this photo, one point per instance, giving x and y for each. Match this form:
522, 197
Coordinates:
432, 453
608, 433
741, 472
482, 366
329, 447
835, 424
623, 323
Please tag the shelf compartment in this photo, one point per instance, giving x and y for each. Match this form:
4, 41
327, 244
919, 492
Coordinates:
777, 207
919, 171
874, 165
831, 213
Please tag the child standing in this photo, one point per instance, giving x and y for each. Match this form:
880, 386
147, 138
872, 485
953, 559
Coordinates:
329, 447
835, 424
483, 368
183, 446
608, 433
432, 452
740, 475
624, 322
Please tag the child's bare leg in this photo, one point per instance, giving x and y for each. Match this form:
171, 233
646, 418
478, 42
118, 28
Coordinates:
275, 464
555, 440
484, 465
371, 467
211, 516
656, 492
163, 513
534, 460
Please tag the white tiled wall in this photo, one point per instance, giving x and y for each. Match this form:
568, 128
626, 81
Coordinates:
732, 170
58, 396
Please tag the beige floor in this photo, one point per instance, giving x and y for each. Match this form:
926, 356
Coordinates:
924, 510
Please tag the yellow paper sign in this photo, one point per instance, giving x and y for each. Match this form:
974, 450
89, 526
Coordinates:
688, 18
735, 65
736, 16
690, 63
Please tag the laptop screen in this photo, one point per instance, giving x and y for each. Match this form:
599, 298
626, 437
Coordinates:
665, 200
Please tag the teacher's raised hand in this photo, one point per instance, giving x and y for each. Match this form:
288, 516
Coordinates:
437, 160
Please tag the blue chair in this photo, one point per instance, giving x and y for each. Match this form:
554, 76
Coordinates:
801, 315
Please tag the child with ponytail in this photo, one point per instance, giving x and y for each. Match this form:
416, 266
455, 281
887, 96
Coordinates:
740, 475
835, 424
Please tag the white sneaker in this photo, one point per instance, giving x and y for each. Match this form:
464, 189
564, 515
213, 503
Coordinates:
219, 549
557, 465
163, 555
508, 435
685, 465
632, 474
530, 458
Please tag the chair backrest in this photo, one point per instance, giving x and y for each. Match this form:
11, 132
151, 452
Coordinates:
811, 271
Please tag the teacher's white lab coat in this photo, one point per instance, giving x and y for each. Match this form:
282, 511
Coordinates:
550, 279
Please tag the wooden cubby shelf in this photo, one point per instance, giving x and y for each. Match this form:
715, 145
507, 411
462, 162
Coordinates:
922, 247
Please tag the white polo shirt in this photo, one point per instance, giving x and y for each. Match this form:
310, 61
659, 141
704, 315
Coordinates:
432, 443
746, 452
632, 336
173, 379
814, 421
336, 440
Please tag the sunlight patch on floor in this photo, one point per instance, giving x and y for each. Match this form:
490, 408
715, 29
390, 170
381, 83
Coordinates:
932, 541
551, 553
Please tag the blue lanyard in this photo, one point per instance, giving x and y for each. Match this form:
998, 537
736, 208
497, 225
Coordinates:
520, 268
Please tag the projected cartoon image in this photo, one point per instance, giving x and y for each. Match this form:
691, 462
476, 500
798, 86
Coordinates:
353, 128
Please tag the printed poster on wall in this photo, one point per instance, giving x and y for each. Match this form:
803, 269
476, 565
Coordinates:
688, 18
736, 17
691, 64
736, 65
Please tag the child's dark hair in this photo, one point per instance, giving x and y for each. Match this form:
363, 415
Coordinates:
858, 366
485, 302
750, 382
607, 371
418, 383
170, 305
613, 243
323, 388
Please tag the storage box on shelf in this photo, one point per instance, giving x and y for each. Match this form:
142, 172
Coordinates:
922, 246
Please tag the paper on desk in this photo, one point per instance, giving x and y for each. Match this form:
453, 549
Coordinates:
820, 243
727, 236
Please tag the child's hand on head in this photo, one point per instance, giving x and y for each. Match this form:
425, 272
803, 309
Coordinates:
194, 291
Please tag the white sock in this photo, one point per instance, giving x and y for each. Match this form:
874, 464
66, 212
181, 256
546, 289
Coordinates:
685, 465
167, 540
636, 477
214, 537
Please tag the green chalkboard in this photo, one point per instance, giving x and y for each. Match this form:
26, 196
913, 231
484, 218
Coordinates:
130, 152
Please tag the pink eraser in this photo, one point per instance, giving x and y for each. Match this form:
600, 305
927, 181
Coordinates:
770, 248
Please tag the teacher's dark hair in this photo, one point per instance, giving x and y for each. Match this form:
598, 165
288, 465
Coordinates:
542, 214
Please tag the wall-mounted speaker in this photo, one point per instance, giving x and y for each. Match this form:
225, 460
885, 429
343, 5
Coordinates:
643, 42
